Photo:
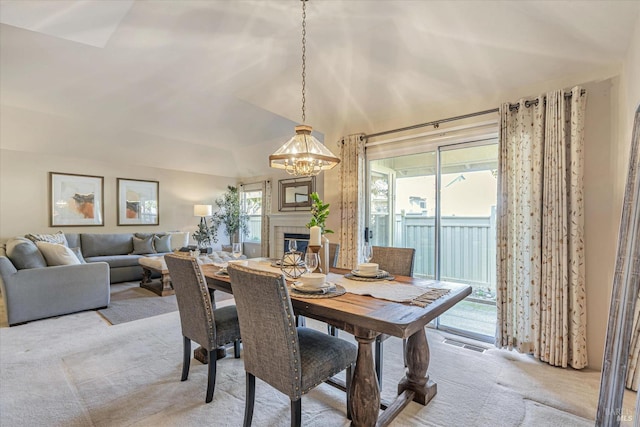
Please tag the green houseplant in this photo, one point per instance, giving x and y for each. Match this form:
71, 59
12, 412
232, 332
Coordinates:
319, 213
205, 235
229, 214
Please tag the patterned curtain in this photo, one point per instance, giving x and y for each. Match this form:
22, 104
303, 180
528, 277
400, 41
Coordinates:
352, 204
541, 299
266, 212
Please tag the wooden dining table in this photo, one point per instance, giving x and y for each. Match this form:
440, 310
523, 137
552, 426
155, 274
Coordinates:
365, 318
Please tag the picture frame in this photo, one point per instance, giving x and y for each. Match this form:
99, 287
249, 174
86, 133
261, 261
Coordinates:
75, 200
138, 202
295, 194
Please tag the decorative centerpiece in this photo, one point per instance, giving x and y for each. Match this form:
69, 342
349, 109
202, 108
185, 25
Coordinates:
317, 229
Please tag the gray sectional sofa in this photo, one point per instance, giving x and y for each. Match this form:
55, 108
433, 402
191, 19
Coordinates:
32, 289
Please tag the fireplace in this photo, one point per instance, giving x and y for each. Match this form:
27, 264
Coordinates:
281, 224
302, 241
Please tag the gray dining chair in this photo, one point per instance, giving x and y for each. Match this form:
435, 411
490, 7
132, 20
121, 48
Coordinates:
398, 262
293, 360
201, 322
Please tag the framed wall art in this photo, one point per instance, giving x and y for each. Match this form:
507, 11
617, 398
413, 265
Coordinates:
138, 202
75, 200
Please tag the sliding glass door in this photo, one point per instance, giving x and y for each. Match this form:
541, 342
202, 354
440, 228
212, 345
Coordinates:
442, 203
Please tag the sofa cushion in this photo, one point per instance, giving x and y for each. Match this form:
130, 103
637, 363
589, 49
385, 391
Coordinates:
106, 244
57, 254
179, 239
78, 252
142, 245
145, 235
117, 261
23, 253
162, 243
51, 238
73, 240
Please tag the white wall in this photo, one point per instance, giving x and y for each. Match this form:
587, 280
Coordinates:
24, 193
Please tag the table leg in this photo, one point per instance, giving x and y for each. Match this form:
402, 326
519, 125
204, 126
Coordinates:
364, 395
416, 378
167, 288
146, 275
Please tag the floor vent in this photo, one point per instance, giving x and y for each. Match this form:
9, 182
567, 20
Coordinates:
465, 345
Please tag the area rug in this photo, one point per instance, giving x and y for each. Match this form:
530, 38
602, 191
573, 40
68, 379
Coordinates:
130, 302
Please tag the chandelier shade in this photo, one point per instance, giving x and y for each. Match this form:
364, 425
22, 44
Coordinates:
303, 155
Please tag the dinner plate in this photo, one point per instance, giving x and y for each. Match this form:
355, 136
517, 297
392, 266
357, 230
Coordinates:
379, 274
298, 286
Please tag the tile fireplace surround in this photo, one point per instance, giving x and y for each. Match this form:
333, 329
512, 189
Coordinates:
279, 224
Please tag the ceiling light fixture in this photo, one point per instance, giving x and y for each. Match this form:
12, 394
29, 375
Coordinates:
303, 155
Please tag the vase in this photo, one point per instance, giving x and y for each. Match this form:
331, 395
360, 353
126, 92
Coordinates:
324, 256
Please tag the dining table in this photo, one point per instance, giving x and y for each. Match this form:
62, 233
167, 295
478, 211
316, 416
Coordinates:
365, 317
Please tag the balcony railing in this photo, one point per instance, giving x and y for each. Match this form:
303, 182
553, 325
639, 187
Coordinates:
468, 253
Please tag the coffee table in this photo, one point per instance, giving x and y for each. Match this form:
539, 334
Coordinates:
152, 265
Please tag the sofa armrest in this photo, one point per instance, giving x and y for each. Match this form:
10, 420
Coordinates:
37, 293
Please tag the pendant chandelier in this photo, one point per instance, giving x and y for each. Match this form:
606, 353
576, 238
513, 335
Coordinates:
303, 155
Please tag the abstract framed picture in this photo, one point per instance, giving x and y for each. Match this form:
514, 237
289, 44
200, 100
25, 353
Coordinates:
138, 202
75, 200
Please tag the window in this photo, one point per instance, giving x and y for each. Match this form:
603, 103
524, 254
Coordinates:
439, 197
252, 205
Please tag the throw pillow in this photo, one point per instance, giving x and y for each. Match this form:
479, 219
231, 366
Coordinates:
23, 253
179, 239
57, 254
162, 243
51, 238
142, 246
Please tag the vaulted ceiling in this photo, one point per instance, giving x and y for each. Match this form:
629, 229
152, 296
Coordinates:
222, 76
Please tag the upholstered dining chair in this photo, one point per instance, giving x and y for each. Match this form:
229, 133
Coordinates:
291, 359
398, 262
201, 322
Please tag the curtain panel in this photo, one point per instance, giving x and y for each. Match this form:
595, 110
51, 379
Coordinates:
541, 301
352, 203
266, 212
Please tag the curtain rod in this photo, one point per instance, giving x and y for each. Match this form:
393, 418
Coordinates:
528, 104
434, 123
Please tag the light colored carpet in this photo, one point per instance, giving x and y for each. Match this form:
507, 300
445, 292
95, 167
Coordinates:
130, 302
78, 370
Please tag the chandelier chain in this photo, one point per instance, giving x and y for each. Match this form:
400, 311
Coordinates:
304, 55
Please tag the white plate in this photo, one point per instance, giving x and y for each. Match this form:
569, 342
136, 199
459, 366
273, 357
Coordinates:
298, 286
379, 273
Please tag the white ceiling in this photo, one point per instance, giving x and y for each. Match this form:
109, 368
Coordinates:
222, 76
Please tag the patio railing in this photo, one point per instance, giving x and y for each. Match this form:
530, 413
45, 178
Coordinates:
468, 252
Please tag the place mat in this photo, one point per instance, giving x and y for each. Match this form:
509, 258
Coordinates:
430, 296
336, 292
352, 276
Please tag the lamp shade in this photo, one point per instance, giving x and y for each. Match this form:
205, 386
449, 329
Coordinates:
202, 210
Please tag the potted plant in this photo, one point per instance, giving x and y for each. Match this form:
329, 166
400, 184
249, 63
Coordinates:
230, 216
205, 235
319, 213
